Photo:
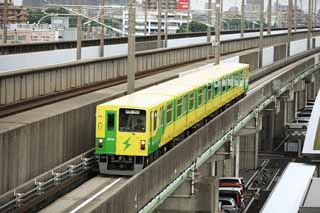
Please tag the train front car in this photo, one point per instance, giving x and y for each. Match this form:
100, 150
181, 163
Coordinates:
121, 139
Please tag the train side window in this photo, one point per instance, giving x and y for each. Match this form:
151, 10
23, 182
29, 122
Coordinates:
209, 91
231, 81
216, 88
235, 77
185, 104
224, 85
241, 78
179, 107
155, 120
191, 101
110, 121
169, 113
200, 96
161, 117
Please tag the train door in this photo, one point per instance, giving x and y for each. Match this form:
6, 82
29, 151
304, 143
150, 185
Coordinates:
111, 131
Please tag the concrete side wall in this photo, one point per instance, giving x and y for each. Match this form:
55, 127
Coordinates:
252, 59
280, 52
247, 151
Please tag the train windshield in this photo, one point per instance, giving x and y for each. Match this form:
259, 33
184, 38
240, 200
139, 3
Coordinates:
132, 120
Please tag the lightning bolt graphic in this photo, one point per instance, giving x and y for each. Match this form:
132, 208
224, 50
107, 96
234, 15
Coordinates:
127, 144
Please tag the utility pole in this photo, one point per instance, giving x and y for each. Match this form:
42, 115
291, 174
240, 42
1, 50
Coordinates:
217, 32
188, 19
131, 47
242, 19
261, 33
209, 26
145, 16
79, 35
309, 24
166, 25
159, 23
315, 14
5, 22
269, 16
102, 29
295, 15
289, 25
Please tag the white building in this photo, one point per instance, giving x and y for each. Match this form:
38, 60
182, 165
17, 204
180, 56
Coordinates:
175, 20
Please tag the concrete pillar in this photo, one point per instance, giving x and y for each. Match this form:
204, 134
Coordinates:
251, 59
313, 42
159, 22
242, 19
236, 155
203, 196
279, 52
249, 140
79, 35
131, 47
261, 33
217, 31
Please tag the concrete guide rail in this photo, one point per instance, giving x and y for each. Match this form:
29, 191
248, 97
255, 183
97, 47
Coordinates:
36, 141
19, 86
174, 165
45, 46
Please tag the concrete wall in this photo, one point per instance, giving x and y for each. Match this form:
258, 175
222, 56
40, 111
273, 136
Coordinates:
280, 52
252, 59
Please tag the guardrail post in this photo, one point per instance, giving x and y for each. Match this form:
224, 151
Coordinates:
131, 47
79, 33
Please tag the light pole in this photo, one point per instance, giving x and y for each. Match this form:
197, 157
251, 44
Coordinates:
159, 23
289, 25
79, 35
242, 19
269, 16
5, 22
261, 33
166, 25
131, 47
102, 30
217, 31
209, 26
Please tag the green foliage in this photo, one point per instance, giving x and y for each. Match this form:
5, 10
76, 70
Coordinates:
194, 27
34, 15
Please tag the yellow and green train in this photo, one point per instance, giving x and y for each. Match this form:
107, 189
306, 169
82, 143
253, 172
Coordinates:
135, 129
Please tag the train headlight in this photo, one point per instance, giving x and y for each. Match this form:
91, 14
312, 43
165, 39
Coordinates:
142, 144
100, 142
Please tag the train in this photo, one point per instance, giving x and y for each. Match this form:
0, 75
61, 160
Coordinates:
134, 130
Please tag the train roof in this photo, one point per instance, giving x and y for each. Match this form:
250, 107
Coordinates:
138, 100
164, 92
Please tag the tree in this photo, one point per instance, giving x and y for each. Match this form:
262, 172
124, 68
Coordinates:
194, 27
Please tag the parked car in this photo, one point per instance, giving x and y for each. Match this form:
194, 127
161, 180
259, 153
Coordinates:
232, 182
298, 124
235, 193
228, 205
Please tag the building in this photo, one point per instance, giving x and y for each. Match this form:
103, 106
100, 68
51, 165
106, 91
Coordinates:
252, 10
153, 4
175, 20
41, 3
16, 14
